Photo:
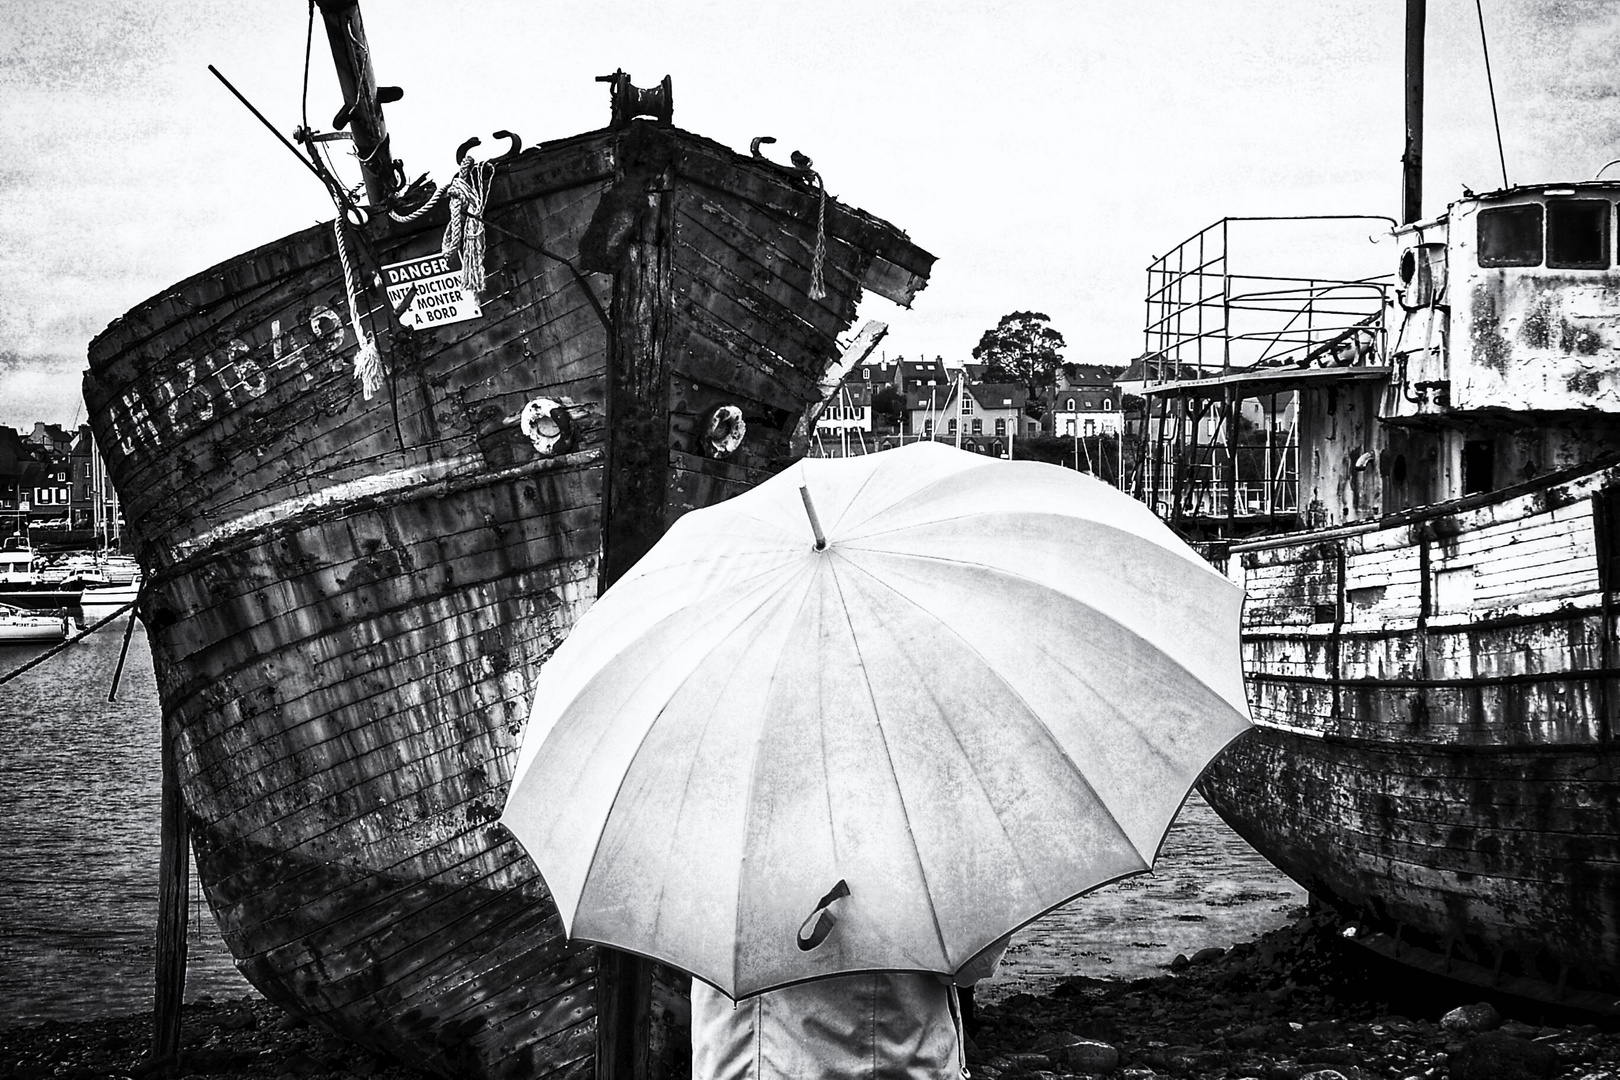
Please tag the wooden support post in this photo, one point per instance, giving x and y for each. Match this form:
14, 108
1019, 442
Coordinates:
174, 871
1336, 641
1233, 403
1605, 529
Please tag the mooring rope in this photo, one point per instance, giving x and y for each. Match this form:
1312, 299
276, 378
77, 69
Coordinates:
74, 640
468, 191
818, 286
368, 365
465, 233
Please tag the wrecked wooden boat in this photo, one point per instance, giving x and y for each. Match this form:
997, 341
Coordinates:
364, 521
1418, 485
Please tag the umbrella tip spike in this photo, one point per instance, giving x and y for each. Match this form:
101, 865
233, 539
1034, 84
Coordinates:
815, 522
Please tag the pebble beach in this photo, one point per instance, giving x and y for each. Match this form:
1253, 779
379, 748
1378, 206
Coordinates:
1298, 1003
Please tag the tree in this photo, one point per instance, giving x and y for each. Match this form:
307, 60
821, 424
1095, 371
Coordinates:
1022, 348
889, 406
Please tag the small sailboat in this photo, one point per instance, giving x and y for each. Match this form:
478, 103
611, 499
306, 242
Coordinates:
18, 625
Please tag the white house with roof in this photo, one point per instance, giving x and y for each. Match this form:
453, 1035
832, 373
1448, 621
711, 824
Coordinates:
921, 374
1085, 401
984, 417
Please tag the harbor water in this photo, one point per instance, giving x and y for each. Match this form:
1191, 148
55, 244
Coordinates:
79, 798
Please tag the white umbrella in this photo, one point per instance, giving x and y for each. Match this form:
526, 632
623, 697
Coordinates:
987, 693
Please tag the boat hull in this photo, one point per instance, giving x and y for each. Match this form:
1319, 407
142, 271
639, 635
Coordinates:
42, 597
98, 602
348, 598
18, 627
1434, 750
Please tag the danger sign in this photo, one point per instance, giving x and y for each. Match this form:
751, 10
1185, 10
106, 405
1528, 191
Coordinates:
434, 287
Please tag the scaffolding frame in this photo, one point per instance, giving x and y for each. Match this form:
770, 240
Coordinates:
1216, 337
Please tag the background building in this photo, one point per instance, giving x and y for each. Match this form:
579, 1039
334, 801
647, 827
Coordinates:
53, 487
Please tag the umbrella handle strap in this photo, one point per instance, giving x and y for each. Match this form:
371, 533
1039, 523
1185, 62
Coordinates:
822, 917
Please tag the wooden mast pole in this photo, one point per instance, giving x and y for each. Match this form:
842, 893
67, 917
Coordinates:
1412, 158
362, 106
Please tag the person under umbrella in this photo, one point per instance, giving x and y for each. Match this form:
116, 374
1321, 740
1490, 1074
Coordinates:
983, 689
890, 1024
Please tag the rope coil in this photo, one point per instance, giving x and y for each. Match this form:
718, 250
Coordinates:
468, 191
368, 365
818, 285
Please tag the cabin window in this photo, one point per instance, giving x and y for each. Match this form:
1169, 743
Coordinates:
1478, 466
1578, 234
1510, 236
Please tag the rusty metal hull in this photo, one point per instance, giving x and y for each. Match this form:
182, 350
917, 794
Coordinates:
1433, 752
348, 597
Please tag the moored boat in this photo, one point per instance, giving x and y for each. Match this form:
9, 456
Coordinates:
363, 521
28, 581
96, 602
18, 625
118, 569
1429, 552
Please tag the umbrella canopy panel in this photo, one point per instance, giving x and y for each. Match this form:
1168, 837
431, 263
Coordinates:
989, 693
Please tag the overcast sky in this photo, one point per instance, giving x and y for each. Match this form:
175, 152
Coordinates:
1044, 151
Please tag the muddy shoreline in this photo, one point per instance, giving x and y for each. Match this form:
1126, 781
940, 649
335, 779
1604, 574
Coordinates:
1299, 1002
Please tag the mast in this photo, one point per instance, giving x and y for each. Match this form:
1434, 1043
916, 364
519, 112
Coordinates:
1412, 158
362, 103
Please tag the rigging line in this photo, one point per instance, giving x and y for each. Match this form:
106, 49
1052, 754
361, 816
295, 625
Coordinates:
74, 640
336, 192
1495, 119
309, 38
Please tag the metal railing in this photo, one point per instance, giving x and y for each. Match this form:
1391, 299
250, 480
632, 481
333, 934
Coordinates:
1208, 461
1205, 317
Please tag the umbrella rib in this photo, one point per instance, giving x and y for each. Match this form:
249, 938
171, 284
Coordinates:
955, 738
1014, 576
596, 848
718, 692
914, 493
853, 541
849, 503
1039, 721
933, 914
748, 796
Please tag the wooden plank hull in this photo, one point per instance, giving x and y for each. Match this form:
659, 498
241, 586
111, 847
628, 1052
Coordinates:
1434, 752
348, 597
